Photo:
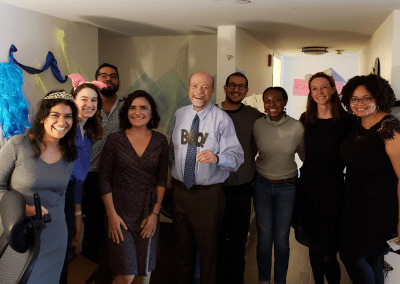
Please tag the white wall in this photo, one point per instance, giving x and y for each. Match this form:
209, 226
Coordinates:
395, 78
252, 56
384, 44
161, 66
296, 67
35, 34
155, 56
226, 58
379, 45
248, 54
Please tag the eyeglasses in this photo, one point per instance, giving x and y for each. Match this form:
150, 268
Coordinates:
105, 76
233, 86
364, 100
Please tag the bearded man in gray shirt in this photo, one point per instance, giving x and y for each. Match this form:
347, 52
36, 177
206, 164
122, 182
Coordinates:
238, 187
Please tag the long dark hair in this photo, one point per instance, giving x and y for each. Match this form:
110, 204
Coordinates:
67, 143
123, 113
310, 117
93, 124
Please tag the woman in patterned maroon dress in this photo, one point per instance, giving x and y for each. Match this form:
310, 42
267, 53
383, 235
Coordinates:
133, 178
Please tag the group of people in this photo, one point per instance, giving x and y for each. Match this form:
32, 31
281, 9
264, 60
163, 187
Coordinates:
91, 153
346, 199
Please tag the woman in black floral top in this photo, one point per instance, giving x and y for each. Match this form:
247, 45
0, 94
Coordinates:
371, 151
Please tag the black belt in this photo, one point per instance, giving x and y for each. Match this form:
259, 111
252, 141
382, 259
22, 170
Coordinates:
278, 181
196, 186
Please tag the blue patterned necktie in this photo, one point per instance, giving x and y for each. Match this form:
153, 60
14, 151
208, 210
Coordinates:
190, 163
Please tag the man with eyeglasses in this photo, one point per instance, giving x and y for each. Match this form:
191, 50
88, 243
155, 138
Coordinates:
238, 186
92, 204
203, 150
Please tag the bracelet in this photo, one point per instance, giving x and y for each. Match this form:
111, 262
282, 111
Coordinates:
155, 213
78, 213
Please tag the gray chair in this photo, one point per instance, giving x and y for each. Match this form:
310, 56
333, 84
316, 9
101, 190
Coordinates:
20, 240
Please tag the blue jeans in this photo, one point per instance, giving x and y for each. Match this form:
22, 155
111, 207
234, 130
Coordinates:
273, 204
363, 265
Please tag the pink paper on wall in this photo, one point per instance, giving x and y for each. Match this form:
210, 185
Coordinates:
339, 86
300, 87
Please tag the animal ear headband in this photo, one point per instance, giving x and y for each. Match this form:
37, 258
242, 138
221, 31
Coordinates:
328, 72
78, 79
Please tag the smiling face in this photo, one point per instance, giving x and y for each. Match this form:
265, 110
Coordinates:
235, 95
139, 113
274, 104
108, 76
200, 90
58, 122
321, 91
86, 102
367, 106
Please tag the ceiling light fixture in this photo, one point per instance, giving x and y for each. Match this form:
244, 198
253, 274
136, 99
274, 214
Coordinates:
243, 1
314, 50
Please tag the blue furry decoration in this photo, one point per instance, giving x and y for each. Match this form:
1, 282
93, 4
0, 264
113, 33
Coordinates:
13, 106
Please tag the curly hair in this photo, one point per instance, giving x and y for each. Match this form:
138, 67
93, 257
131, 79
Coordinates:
310, 116
67, 143
123, 113
93, 124
378, 87
279, 89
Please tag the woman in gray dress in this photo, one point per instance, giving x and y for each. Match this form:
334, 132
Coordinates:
133, 177
42, 162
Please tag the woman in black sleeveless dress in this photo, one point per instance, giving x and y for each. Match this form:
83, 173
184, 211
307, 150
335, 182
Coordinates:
319, 196
371, 151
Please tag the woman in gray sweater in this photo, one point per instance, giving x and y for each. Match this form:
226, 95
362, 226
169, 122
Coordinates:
42, 162
278, 137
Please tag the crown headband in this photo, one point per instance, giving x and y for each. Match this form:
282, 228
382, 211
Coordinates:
78, 79
328, 72
59, 95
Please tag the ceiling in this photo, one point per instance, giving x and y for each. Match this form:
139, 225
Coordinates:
283, 25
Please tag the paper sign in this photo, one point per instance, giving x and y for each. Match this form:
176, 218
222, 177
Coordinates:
393, 244
300, 87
